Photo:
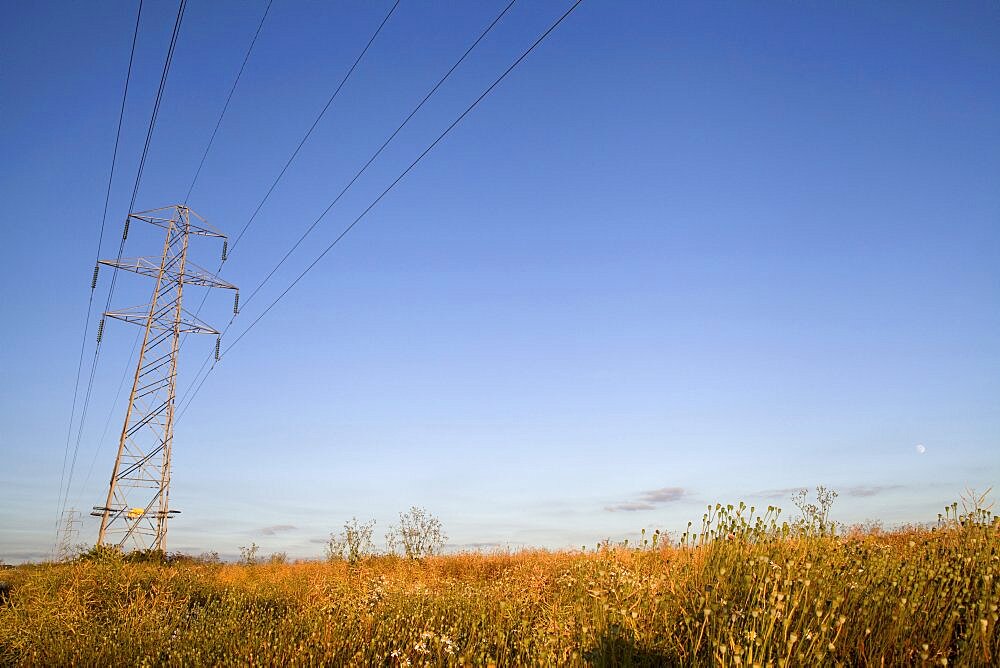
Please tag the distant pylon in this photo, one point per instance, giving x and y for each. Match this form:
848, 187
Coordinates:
138, 503
68, 533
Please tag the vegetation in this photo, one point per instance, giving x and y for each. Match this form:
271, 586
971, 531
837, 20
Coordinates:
746, 589
815, 517
354, 543
419, 534
248, 554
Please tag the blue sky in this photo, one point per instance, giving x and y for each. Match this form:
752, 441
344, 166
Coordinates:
685, 253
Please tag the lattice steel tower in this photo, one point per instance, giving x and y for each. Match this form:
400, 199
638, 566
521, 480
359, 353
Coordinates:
68, 533
138, 503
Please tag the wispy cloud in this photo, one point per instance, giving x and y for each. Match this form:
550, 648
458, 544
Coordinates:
630, 507
664, 495
854, 491
869, 490
650, 500
20, 556
779, 493
276, 529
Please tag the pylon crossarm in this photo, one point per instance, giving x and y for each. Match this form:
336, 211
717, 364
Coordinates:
140, 265
195, 275
99, 510
163, 218
138, 315
150, 266
137, 515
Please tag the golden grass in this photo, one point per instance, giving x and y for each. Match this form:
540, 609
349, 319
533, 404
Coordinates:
732, 596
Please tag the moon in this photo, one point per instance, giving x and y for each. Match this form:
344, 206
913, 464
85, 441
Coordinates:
921, 449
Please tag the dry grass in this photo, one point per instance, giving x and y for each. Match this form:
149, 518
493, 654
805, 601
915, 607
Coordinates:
744, 592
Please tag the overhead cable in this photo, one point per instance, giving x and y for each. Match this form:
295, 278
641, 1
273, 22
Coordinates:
361, 171
100, 241
121, 245
388, 189
312, 127
229, 98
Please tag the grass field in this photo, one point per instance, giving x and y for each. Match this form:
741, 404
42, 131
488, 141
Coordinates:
744, 591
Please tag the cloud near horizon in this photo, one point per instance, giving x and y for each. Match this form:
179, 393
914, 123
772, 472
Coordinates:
869, 490
650, 500
776, 493
853, 491
276, 529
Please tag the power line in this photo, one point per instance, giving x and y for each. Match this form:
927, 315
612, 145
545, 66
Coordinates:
291, 158
389, 188
229, 98
107, 422
364, 167
100, 241
378, 152
121, 246
403, 174
288, 163
312, 127
194, 180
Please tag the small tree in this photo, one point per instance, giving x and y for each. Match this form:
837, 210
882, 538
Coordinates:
248, 554
815, 517
354, 542
419, 534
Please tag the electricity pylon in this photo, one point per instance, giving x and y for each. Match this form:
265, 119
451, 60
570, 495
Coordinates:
68, 534
137, 507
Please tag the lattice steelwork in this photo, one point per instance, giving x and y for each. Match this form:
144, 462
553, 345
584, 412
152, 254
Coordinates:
137, 507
